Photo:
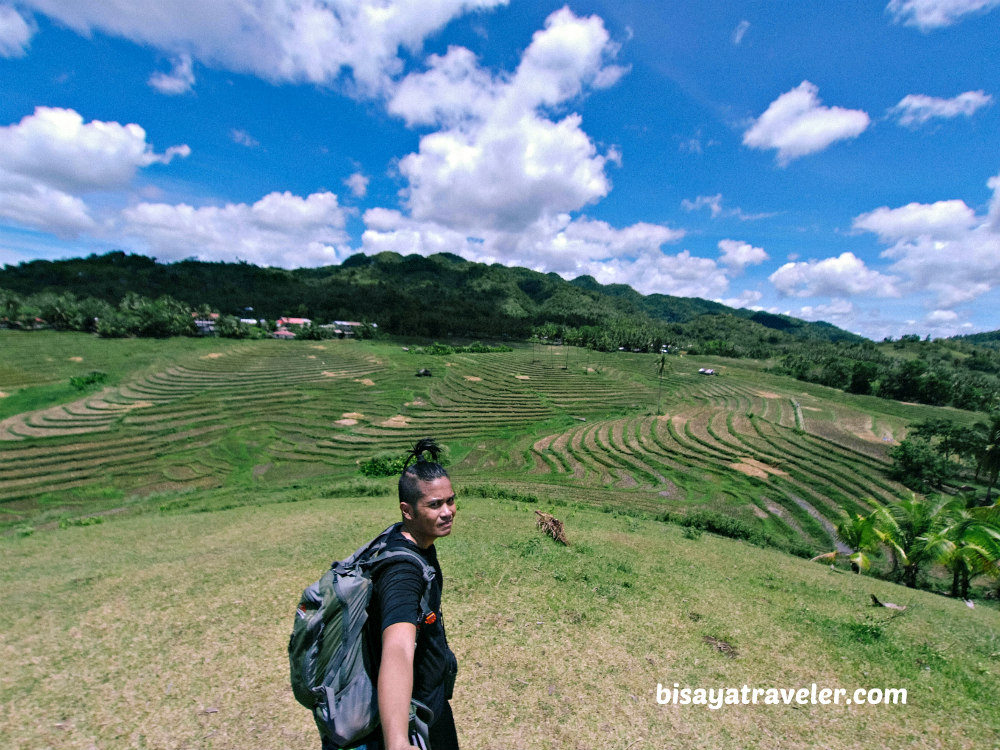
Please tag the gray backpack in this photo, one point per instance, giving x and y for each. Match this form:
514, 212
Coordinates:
328, 651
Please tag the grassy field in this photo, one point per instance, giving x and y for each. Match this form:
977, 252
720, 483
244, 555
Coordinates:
169, 631
156, 531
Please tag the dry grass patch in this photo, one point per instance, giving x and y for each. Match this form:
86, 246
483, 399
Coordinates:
523, 377
472, 378
364, 381
213, 355
76, 359
754, 468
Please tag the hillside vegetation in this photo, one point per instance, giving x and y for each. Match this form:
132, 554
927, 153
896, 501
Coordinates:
170, 513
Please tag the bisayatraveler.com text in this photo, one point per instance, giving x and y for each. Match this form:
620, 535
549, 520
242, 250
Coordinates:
716, 698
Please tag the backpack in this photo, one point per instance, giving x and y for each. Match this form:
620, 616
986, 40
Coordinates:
328, 650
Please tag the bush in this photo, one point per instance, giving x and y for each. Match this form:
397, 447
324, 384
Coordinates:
92, 378
383, 466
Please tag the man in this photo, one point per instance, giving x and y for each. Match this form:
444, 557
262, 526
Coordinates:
410, 646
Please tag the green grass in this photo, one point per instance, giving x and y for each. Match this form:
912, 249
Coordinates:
151, 553
169, 630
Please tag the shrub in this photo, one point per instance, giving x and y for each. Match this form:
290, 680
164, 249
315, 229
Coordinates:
92, 378
383, 466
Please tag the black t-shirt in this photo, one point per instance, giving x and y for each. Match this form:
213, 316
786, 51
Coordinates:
398, 588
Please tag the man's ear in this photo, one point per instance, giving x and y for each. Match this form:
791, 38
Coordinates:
407, 510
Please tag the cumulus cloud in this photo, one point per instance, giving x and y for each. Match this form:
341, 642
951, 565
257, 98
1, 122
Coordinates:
944, 247
357, 183
927, 15
313, 41
570, 247
15, 33
738, 255
796, 124
280, 229
180, 80
837, 311
56, 147
500, 163
52, 155
843, 276
916, 109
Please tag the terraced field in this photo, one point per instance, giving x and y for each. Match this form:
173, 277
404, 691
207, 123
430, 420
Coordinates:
568, 424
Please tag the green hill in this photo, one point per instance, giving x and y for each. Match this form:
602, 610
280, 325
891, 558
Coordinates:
157, 528
440, 295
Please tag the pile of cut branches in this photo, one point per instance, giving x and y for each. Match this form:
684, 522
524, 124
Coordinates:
551, 526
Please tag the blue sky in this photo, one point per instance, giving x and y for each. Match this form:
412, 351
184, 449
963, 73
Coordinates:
832, 161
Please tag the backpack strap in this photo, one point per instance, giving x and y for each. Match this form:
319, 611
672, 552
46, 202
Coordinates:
386, 558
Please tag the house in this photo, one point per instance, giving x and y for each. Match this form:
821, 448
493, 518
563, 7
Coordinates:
282, 333
206, 324
293, 322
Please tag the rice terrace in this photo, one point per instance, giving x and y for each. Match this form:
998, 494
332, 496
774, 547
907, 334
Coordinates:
159, 525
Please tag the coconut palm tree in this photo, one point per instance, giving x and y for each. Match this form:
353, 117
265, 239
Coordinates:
910, 530
968, 546
858, 533
988, 452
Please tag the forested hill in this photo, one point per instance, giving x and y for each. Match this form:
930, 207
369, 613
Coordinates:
436, 296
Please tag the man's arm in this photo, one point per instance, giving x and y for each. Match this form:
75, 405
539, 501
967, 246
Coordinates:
395, 683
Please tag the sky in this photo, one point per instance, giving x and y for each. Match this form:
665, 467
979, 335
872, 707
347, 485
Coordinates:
832, 161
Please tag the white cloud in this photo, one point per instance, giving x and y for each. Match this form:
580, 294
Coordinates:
740, 31
312, 41
837, 311
748, 298
796, 124
15, 33
55, 147
843, 276
51, 155
942, 220
934, 14
916, 109
180, 80
358, 184
243, 138
631, 255
943, 247
500, 164
280, 229
738, 255
714, 204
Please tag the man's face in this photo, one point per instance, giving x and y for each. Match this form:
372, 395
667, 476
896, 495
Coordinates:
434, 513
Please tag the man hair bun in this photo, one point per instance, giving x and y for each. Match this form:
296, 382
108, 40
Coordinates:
425, 445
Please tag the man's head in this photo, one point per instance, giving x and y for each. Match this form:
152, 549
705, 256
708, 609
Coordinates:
426, 498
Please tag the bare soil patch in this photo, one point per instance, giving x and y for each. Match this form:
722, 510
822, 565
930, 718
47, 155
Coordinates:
310, 356
397, 421
213, 355
3, 395
523, 377
364, 381
472, 378
416, 402
346, 422
76, 359
318, 346
261, 469
754, 468
767, 394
